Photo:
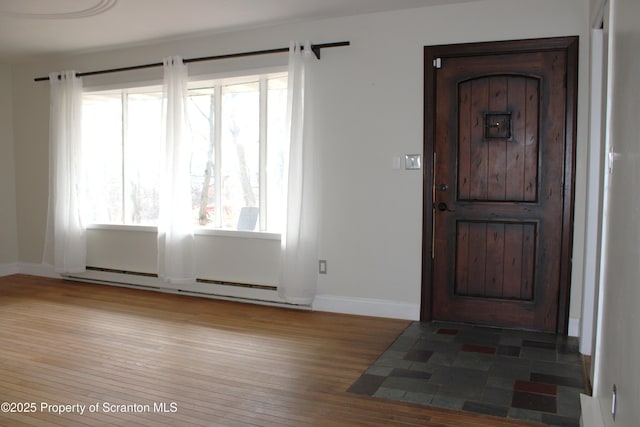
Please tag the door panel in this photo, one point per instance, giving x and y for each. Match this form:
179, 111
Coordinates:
495, 260
499, 169
499, 185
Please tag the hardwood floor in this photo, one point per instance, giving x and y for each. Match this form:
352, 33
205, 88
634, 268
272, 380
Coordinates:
129, 352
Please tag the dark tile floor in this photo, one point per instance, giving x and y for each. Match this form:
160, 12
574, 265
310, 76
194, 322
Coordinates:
516, 374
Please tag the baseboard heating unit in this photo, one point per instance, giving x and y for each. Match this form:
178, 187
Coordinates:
208, 288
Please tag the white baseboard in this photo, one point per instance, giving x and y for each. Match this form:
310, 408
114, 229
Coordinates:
329, 303
574, 327
591, 412
366, 307
9, 269
42, 270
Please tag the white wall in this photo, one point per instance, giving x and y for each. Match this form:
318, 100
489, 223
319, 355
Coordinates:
619, 332
368, 108
8, 223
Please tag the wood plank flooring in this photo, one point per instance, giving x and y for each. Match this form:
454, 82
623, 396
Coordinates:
144, 358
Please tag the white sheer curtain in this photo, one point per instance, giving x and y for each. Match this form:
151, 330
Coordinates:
299, 256
176, 262
65, 242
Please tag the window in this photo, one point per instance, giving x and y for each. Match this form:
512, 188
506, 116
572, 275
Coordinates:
238, 148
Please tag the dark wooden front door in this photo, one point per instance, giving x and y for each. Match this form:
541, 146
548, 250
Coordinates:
501, 118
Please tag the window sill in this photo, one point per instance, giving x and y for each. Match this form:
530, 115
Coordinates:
235, 233
197, 231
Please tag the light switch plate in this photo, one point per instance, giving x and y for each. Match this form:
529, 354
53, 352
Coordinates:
412, 162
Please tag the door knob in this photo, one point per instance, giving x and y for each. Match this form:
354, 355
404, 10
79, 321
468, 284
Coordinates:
442, 206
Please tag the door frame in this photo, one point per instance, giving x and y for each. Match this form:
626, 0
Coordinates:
570, 46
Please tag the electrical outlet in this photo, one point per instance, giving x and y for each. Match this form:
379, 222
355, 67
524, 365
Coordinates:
322, 266
614, 402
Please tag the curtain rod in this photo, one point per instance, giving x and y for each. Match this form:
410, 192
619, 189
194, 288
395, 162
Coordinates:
314, 47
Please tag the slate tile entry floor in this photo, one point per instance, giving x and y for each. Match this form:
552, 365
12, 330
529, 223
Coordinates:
523, 375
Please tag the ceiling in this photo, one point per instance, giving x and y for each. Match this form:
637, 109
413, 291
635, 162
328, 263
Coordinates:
30, 29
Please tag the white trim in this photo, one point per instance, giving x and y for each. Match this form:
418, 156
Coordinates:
42, 270
609, 16
593, 224
197, 81
262, 145
328, 303
198, 231
217, 152
591, 412
235, 233
9, 269
574, 327
367, 307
